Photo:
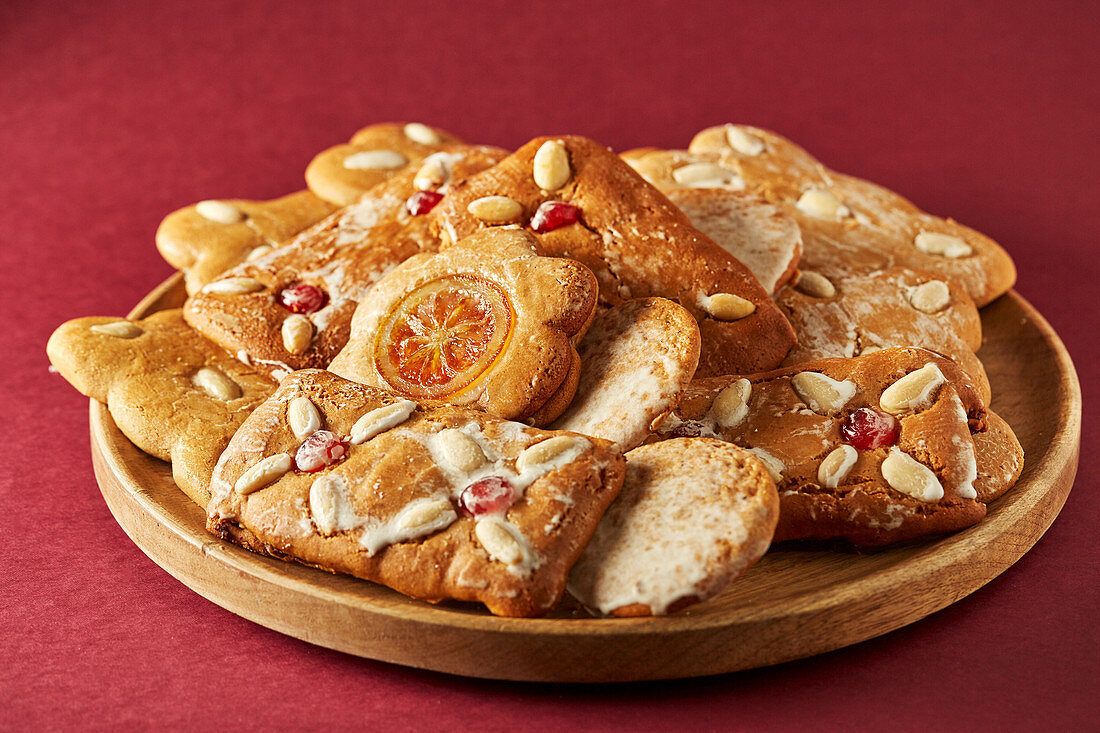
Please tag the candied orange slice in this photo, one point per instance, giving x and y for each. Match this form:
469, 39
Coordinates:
443, 336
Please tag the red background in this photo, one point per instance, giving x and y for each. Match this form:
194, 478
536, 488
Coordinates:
112, 115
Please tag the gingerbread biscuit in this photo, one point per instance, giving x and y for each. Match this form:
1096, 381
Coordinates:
760, 235
174, 394
850, 225
206, 239
1000, 459
582, 201
876, 310
291, 308
874, 449
343, 173
636, 360
440, 503
487, 324
693, 515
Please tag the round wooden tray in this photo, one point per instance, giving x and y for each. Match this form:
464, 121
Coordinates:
794, 603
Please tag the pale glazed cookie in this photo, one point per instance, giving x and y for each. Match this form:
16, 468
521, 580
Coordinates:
291, 308
874, 449
1000, 459
693, 515
441, 503
206, 239
487, 324
582, 201
174, 394
760, 235
636, 360
871, 311
850, 225
345, 172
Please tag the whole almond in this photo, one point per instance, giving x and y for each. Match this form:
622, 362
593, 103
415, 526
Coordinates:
381, 419
267, 471
495, 209
944, 245
433, 173
418, 132
546, 451
216, 384
912, 392
550, 168
814, 284
118, 329
297, 333
426, 514
727, 306
822, 205
460, 450
930, 297
911, 477
498, 542
233, 286
822, 394
743, 142
375, 160
326, 498
303, 417
836, 466
732, 404
706, 175
219, 211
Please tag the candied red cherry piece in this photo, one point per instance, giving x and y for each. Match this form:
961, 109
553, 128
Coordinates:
867, 429
318, 451
422, 202
302, 298
487, 495
553, 214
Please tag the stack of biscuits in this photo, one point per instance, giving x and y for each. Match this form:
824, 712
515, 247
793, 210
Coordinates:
478, 375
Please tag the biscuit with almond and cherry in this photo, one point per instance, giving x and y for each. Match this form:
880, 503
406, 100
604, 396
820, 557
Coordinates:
437, 503
291, 308
851, 225
206, 239
874, 449
583, 202
174, 394
343, 173
487, 324
692, 516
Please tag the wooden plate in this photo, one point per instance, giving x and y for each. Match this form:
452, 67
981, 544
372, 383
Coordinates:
793, 604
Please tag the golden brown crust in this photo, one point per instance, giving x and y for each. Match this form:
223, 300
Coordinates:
1000, 459
637, 243
151, 384
330, 177
385, 476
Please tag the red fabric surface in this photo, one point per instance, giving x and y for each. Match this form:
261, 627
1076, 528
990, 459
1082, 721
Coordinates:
114, 114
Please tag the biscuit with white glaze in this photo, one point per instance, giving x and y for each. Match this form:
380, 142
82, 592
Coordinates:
693, 515
437, 503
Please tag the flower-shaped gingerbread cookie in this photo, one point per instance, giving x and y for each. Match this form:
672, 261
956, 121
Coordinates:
343, 173
206, 239
874, 449
291, 308
174, 394
850, 225
488, 324
582, 201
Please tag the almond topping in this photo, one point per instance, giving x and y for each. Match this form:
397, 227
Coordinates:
824, 395
219, 211
550, 168
930, 297
823, 205
216, 384
912, 392
258, 252
732, 404
326, 499
726, 306
498, 542
234, 286
495, 209
773, 464
743, 142
418, 132
433, 173
911, 477
545, 451
836, 466
706, 175
944, 245
267, 471
304, 417
375, 160
118, 329
427, 515
460, 450
297, 333
814, 284
381, 419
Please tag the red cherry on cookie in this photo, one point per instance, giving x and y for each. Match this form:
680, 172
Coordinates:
318, 451
553, 214
422, 202
867, 429
487, 495
302, 298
